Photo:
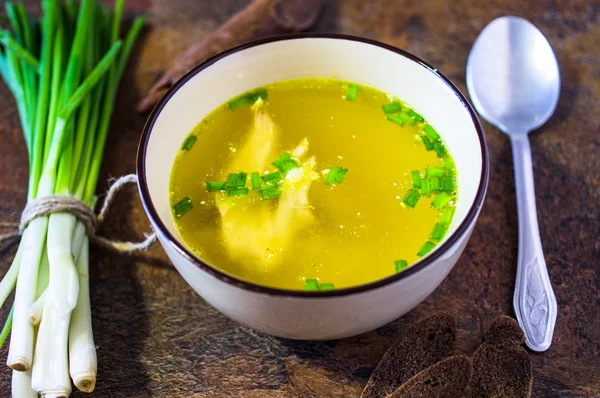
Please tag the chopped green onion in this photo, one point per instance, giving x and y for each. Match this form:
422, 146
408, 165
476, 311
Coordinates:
435, 184
438, 232
270, 193
400, 265
440, 149
395, 119
242, 181
281, 159
285, 163
352, 92
427, 142
260, 93
238, 192
289, 165
311, 285
341, 175
182, 207
271, 177
248, 99
415, 115
332, 175
441, 201
412, 197
447, 184
255, 180
416, 178
214, 186
430, 131
326, 286
392, 107
233, 181
406, 119
427, 247
189, 142
447, 215
239, 103
425, 187
435, 171
448, 162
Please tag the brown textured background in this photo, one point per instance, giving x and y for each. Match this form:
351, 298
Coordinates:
157, 338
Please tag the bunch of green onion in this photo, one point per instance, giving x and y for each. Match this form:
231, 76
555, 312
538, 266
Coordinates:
64, 72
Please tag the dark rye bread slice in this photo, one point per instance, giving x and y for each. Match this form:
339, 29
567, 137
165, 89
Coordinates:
503, 371
421, 346
504, 331
501, 366
446, 379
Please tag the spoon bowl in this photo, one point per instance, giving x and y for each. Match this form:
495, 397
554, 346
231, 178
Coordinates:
513, 76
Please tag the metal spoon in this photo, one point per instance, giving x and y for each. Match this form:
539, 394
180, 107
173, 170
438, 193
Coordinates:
514, 82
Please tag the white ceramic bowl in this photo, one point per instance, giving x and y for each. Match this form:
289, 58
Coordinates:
297, 314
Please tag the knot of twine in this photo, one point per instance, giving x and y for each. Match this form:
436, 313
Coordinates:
65, 204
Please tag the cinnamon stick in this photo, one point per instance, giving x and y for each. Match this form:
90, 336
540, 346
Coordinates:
261, 18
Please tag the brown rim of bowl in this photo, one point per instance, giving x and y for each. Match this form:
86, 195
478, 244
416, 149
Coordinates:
418, 266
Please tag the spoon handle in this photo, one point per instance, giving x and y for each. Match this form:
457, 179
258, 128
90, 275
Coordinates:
534, 301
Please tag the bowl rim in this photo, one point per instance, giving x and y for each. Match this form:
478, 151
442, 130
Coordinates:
240, 283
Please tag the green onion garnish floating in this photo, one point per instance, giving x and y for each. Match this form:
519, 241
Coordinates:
448, 162
255, 180
341, 175
270, 193
406, 119
311, 285
271, 177
434, 183
248, 99
242, 181
435, 171
412, 197
400, 265
430, 131
427, 142
238, 192
447, 215
285, 163
395, 119
427, 247
284, 157
189, 142
425, 187
416, 178
392, 107
215, 186
326, 286
415, 115
441, 201
352, 92
182, 207
233, 181
439, 148
439, 230
336, 174
447, 184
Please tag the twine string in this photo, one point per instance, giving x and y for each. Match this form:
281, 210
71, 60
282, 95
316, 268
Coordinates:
65, 204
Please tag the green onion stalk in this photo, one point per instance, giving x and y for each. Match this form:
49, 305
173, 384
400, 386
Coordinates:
64, 72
